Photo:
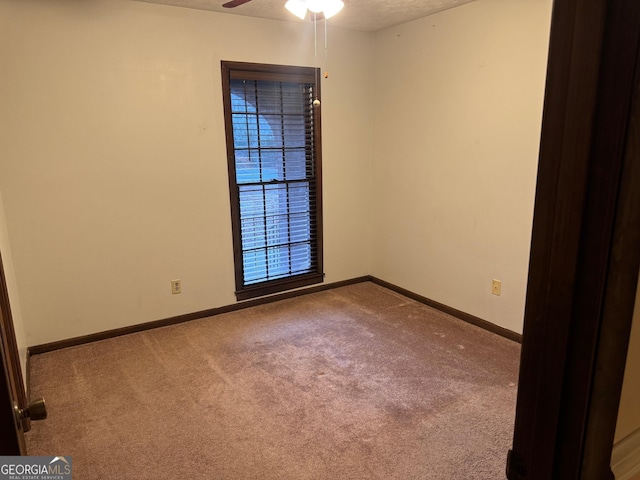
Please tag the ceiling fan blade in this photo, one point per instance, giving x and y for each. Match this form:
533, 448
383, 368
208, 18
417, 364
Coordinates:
234, 3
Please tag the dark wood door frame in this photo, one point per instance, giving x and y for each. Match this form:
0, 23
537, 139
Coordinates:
11, 382
585, 250
11, 442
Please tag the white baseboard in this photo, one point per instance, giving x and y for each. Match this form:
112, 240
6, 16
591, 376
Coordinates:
625, 458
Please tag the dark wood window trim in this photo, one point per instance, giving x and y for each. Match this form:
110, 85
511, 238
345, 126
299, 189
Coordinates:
233, 71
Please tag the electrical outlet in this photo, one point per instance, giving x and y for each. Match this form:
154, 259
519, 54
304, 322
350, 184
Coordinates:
496, 287
176, 286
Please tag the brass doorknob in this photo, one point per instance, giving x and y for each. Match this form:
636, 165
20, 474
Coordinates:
36, 410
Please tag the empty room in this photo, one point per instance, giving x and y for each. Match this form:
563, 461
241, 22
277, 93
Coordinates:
240, 244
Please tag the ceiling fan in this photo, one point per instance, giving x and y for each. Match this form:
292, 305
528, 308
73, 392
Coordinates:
322, 8
235, 3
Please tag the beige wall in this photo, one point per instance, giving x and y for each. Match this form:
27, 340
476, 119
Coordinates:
629, 413
16, 312
113, 166
457, 117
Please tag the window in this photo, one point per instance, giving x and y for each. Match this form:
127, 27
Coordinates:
274, 160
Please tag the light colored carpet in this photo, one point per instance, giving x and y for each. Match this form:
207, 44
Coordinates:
353, 383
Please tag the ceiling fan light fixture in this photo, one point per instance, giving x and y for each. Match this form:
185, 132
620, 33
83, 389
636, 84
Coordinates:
316, 6
328, 8
297, 7
331, 7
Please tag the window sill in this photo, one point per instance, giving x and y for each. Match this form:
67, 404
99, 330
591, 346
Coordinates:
277, 286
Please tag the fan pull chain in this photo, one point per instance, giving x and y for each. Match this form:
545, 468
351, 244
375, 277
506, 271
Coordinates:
316, 101
326, 65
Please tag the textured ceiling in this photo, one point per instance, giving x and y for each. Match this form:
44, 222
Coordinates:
366, 15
